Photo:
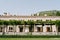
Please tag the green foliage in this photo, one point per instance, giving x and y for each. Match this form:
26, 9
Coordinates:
18, 22
1, 22
58, 13
29, 36
48, 13
5, 22
49, 22
57, 22
29, 22
39, 22
11, 22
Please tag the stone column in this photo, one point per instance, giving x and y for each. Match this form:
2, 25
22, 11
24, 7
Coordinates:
5, 28
54, 29
51, 28
44, 28
27, 28
41, 29
17, 28
24, 28
35, 28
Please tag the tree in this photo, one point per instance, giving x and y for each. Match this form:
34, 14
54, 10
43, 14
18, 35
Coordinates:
58, 13
1, 22
57, 22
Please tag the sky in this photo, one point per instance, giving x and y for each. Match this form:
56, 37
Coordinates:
28, 7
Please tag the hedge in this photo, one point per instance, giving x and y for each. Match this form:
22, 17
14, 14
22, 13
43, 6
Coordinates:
29, 36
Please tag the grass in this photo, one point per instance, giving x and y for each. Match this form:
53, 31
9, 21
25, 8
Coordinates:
16, 37
29, 38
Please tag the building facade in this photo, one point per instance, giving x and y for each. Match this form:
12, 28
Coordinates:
37, 29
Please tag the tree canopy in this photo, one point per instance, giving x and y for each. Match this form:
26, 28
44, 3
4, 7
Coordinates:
48, 13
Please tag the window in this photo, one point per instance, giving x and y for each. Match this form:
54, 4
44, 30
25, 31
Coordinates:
1, 29
10, 29
58, 29
48, 29
39, 29
20, 29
